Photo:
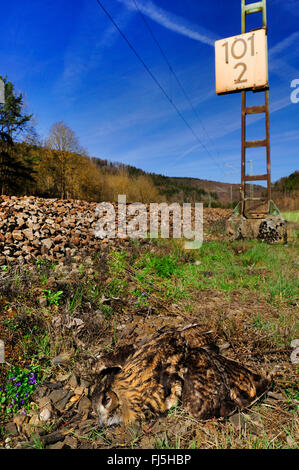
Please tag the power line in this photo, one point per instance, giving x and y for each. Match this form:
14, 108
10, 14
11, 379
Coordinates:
171, 69
154, 78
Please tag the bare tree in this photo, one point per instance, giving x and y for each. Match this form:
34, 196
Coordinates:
64, 143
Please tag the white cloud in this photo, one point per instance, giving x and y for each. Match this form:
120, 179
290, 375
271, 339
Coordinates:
282, 45
172, 22
281, 53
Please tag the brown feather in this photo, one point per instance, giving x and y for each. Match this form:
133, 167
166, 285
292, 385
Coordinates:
171, 366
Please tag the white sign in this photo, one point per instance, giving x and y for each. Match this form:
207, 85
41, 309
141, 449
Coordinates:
241, 62
2, 92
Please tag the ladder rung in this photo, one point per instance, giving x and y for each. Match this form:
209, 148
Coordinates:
255, 177
255, 109
255, 199
254, 7
255, 143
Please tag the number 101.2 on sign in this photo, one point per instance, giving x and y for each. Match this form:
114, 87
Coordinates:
241, 62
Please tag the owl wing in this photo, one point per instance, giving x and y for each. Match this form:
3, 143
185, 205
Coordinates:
197, 337
215, 386
119, 356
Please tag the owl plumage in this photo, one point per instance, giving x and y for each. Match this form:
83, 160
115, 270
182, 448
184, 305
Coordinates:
174, 366
216, 387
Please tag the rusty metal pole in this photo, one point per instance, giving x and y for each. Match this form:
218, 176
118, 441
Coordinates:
243, 123
268, 147
268, 224
267, 118
246, 9
243, 150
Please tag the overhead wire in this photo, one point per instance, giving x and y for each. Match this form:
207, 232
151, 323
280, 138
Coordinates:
155, 79
181, 86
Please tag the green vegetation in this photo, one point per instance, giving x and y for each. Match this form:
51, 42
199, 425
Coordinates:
20, 385
246, 293
260, 267
15, 172
288, 183
53, 297
291, 216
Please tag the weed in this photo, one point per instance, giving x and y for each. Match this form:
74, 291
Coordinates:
40, 262
116, 288
53, 298
142, 298
95, 434
194, 444
174, 410
163, 443
36, 443
292, 394
76, 300
118, 261
20, 385
135, 437
10, 325
107, 311
161, 266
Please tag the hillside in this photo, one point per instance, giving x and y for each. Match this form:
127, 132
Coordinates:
184, 189
285, 192
42, 172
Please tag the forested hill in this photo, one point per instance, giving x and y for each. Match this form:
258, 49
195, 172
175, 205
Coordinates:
288, 183
58, 167
73, 175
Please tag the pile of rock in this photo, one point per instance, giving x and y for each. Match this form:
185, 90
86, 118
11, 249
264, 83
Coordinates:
49, 228
34, 228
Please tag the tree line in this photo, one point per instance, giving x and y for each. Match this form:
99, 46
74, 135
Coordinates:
59, 167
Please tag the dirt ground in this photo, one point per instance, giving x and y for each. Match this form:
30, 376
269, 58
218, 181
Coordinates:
81, 330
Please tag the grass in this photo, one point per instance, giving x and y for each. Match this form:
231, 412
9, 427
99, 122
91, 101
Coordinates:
291, 216
261, 267
163, 443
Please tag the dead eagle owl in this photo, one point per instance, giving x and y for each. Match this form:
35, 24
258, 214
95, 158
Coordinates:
170, 367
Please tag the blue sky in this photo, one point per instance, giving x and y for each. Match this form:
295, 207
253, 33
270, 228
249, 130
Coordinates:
73, 65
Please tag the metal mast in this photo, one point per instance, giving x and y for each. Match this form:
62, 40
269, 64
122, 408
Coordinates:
247, 209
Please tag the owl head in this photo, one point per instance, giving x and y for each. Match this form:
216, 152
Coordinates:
105, 401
